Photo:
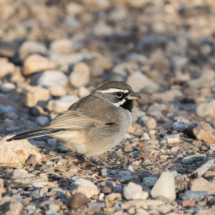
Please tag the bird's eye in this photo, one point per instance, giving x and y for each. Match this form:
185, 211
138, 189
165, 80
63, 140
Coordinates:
119, 95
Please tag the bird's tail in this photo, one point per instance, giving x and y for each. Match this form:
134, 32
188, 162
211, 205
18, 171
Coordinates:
33, 134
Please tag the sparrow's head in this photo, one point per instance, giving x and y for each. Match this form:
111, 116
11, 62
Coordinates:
118, 93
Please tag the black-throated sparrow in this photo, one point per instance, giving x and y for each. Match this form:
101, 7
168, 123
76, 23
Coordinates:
94, 124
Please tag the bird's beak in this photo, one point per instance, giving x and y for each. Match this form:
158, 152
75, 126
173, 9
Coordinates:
132, 96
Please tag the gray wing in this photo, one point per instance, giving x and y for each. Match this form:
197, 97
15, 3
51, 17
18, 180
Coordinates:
86, 113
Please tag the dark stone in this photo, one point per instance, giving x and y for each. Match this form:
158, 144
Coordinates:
77, 200
194, 195
188, 130
61, 149
106, 189
34, 111
8, 49
31, 160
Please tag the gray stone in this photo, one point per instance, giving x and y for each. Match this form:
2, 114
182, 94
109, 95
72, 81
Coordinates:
61, 149
62, 104
6, 108
42, 120
139, 81
7, 87
105, 172
179, 61
194, 195
96, 204
64, 60
189, 160
10, 115
101, 29
12, 128
52, 142
178, 126
50, 78
35, 194
19, 173
149, 181
126, 176
31, 47
51, 212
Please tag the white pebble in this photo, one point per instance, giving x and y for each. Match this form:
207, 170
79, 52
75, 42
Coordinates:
165, 186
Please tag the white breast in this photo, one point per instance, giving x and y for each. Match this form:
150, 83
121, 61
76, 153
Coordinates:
126, 119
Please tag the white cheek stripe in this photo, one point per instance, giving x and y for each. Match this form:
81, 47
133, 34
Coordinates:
113, 90
119, 103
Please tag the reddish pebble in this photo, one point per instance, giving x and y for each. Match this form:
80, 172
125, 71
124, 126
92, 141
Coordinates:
189, 203
141, 145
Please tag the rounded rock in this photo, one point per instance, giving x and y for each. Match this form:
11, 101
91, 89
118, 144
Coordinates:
74, 9
57, 90
36, 63
80, 75
83, 92
42, 120
31, 47
139, 81
149, 122
7, 87
77, 200
63, 46
52, 78
54, 207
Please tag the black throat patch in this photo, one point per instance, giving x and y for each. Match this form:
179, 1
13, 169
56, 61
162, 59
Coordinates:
128, 105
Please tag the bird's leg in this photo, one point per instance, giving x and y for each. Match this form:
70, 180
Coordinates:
104, 162
92, 163
87, 159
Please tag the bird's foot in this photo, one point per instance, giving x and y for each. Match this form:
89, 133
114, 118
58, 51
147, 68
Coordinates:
104, 162
92, 162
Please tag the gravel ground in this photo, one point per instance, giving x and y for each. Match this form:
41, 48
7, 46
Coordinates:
52, 53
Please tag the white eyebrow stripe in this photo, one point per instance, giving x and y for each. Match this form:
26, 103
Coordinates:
113, 90
119, 103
